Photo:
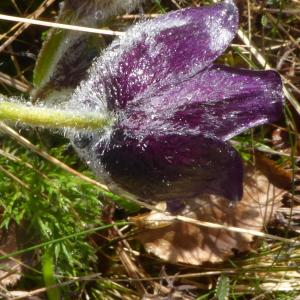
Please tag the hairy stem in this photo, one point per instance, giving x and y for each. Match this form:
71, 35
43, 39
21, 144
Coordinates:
51, 117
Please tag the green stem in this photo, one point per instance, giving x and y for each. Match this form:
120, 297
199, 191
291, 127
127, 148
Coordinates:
48, 269
51, 117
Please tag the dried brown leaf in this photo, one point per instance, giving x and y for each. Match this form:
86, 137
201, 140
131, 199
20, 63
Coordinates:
276, 174
180, 242
10, 268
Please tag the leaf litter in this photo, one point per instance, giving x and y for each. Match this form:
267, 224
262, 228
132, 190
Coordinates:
180, 242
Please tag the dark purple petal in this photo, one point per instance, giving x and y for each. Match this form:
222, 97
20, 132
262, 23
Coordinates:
173, 110
171, 167
163, 51
219, 101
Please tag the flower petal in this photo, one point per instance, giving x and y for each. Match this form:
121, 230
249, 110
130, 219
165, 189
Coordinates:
162, 51
171, 167
219, 101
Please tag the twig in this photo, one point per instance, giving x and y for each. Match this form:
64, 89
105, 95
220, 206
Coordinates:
15, 83
236, 229
13, 177
60, 25
36, 14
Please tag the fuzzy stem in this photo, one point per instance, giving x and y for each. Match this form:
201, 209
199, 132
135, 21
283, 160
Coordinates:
51, 117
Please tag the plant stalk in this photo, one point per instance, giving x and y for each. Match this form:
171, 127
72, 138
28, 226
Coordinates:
51, 117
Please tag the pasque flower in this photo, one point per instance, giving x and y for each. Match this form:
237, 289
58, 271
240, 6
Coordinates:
173, 109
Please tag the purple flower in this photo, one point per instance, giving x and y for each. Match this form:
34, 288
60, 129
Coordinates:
174, 110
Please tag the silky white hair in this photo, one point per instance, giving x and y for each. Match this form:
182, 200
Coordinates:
100, 10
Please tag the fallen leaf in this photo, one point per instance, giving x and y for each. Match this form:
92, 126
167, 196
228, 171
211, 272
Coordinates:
181, 242
10, 268
283, 286
275, 173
